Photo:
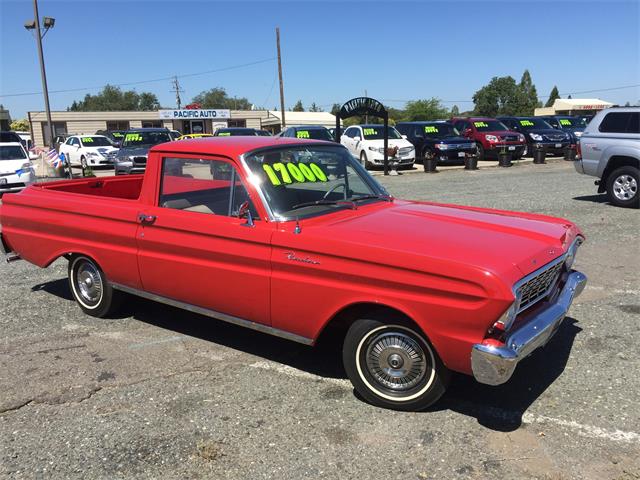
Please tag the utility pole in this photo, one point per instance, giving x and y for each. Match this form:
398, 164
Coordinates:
177, 90
283, 122
366, 117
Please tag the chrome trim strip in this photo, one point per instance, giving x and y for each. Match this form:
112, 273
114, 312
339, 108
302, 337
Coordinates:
216, 315
494, 365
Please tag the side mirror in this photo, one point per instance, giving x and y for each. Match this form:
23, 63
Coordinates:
245, 211
357, 139
404, 136
467, 132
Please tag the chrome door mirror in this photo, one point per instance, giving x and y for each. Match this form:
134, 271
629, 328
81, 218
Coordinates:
245, 211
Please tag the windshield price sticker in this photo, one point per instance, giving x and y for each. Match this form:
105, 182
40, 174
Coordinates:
480, 124
117, 134
224, 134
369, 131
430, 129
302, 134
294, 173
87, 139
133, 137
526, 123
564, 121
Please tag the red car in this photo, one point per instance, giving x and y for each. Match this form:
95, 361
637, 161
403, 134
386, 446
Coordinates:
293, 238
491, 137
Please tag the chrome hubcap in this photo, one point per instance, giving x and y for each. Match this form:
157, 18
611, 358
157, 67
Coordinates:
396, 361
89, 283
625, 187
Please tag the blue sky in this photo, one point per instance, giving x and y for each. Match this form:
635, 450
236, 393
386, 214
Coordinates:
332, 51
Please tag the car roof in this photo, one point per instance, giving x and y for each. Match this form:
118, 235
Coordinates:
157, 129
232, 146
472, 119
311, 127
10, 144
422, 122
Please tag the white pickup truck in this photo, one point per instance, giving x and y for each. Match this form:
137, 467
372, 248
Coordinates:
609, 149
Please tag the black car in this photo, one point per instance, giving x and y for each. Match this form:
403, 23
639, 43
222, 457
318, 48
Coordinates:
132, 156
116, 136
574, 126
439, 139
235, 132
13, 137
539, 134
312, 132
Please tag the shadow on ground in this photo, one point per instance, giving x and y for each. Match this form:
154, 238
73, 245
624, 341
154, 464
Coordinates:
498, 408
599, 198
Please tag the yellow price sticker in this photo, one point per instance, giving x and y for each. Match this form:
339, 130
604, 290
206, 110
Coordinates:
87, 139
564, 121
224, 134
526, 123
288, 173
133, 137
368, 131
431, 129
480, 124
302, 134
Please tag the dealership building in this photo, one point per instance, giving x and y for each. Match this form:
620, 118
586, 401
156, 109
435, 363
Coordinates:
184, 120
574, 106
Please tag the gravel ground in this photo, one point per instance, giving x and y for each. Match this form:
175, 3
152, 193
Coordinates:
163, 393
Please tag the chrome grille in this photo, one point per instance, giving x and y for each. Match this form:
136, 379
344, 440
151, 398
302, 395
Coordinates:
510, 138
538, 287
405, 150
555, 138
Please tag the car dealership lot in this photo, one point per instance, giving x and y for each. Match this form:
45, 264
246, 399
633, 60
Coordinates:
161, 392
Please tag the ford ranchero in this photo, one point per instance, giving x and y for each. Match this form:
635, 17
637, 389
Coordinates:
293, 238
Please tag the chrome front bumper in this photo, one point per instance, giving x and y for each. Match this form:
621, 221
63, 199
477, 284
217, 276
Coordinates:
494, 365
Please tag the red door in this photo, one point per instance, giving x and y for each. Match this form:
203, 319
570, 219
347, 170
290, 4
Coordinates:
193, 248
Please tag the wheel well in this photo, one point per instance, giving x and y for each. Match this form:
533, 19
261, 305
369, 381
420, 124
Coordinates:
336, 328
616, 161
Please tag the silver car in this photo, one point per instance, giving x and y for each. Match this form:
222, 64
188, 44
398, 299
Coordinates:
610, 150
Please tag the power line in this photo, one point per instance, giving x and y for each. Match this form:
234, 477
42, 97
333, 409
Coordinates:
163, 79
177, 90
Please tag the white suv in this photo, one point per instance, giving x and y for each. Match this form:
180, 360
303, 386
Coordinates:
88, 150
366, 142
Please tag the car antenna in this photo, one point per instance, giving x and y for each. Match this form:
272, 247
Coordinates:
297, 228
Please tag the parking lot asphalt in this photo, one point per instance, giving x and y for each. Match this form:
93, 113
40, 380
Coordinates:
163, 393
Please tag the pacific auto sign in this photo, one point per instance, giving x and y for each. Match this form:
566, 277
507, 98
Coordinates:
193, 114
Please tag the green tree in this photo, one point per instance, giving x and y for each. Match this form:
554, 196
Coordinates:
20, 125
315, 108
553, 96
427, 109
298, 107
113, 99
498, 97
526, 96
218, 98
455, 111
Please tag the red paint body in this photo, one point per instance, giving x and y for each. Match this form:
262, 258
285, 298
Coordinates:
448, 268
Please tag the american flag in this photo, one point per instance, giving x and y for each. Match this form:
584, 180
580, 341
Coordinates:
54, 159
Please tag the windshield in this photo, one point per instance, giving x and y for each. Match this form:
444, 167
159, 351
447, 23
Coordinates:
489, 126
12, 152
376, 132
299, 182
440, 130
236, 132
572, 123
9, 137
143, 139
95, 142
314, 133
533, 123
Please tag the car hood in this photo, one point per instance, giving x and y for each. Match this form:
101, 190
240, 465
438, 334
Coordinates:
420, 235
102, 150
11, 166
452, 140
393, 142
133, 151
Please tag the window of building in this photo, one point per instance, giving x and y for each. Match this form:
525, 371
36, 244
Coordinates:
237, 123
202, 186
118, 125
152, 124
58, 129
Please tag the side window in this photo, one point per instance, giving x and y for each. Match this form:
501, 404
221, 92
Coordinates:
553, 122
417, 132
349, 132
620, 122
75, 142
202, 186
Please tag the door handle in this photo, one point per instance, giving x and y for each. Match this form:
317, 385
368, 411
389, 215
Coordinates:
145, 219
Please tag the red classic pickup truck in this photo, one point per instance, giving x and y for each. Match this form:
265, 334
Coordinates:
292, 237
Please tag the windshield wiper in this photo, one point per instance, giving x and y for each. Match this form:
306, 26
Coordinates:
386, 198
325, 202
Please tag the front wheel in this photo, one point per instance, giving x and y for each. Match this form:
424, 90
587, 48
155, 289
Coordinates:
90, 287
622, 187
480, 151
393, 365
83, 163
364, 161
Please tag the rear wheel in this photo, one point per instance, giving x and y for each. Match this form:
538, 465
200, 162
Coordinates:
622, 187
393, 365
90, 287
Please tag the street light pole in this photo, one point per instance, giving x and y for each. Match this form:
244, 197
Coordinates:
43, 73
